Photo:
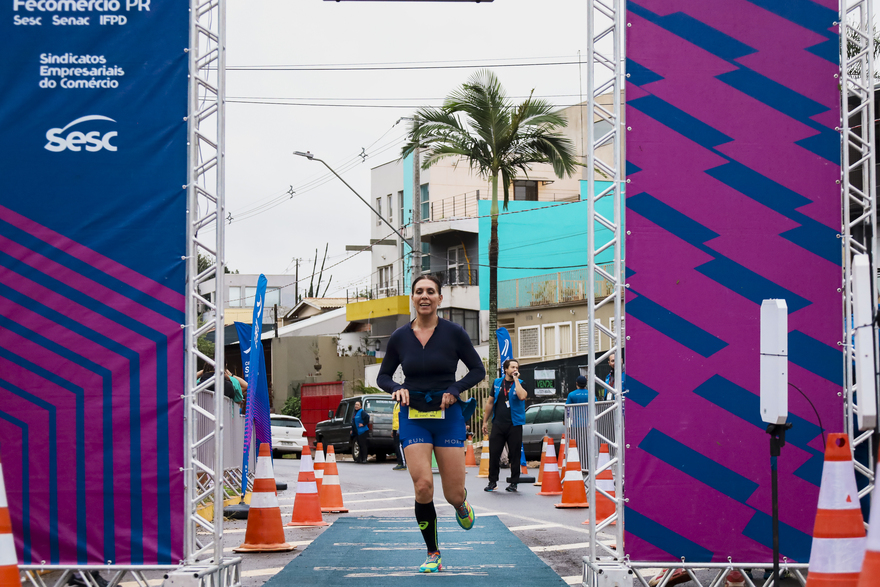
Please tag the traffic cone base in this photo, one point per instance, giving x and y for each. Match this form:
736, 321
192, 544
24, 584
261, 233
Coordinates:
264, 532
331, 491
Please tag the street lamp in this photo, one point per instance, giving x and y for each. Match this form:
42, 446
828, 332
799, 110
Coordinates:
311, 157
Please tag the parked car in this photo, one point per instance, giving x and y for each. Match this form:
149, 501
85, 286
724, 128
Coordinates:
543, 419
288, 435
337, 430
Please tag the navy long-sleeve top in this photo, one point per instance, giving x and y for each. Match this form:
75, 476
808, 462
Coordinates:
432, 367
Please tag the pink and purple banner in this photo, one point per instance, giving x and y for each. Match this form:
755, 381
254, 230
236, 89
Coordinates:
733, 159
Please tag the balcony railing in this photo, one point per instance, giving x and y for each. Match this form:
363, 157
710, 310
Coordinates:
466, 205
550, 288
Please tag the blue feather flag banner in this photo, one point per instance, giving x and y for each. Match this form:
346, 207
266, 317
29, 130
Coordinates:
257, 407
505, 349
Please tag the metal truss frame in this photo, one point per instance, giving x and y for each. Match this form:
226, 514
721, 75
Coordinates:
606, 25
718, 572
858, 193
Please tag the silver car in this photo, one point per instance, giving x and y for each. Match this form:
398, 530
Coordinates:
543, 420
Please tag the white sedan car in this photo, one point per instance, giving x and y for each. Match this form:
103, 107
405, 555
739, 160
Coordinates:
288, 435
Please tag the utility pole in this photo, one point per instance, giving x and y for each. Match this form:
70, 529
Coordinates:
296, 284
417, 210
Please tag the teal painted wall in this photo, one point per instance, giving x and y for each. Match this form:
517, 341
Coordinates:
540, 238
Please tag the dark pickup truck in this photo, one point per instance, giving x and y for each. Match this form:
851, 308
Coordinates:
337, 430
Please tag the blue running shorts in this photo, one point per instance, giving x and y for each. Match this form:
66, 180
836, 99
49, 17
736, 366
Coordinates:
449, 431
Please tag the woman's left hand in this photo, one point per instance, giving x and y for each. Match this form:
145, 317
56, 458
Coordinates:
448, 400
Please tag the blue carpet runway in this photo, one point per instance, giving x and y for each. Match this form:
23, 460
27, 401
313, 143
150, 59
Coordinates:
388, 551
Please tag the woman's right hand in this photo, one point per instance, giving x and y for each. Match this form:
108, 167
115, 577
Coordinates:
402, 396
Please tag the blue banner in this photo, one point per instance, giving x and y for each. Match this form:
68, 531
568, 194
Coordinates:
93, 227
257, 405
505, 350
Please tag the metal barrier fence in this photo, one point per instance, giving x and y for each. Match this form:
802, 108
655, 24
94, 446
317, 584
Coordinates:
576, 418
480, 393
232, 438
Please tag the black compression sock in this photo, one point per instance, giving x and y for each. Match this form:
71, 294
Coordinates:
426, 516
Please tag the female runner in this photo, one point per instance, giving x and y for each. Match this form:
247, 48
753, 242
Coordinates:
431, 417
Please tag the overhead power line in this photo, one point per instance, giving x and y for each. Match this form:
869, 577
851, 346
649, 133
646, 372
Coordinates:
391, 68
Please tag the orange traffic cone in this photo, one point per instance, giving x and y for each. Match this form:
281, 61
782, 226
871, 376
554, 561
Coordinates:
574, 494
839, 533
524, 466
306, 506
562, 453
319, 465
871, 564
484, 459
543, 462
265, 532
331, 494
470, 460
9, 574
552, 485
604, 481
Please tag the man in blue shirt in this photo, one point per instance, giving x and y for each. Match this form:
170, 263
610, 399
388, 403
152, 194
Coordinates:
508, 412
579, 395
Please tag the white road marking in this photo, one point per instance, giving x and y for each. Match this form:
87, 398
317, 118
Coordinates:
532, 527
575, 546
371, 491
573, 579
412, 497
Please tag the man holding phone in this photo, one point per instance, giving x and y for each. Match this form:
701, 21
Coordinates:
507, 409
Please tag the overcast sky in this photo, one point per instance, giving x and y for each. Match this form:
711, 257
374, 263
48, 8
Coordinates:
267, 118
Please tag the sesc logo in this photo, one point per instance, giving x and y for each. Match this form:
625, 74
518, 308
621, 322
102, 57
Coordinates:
75, 140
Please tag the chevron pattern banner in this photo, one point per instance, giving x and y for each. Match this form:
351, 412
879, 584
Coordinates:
733, 158
93, 218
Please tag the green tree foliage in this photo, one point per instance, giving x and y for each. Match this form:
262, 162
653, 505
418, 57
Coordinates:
497, 138
291, 407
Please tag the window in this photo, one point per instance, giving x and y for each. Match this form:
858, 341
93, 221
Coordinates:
379, 406
622, 326
234, 297
467, 319
525, 190
400, 207
378, 210
583, 334
384, 280
340, 411
456, 266
285, 423
557, 339
390, 209
547, 415
531, 414
426, 207
426, 257
529, 344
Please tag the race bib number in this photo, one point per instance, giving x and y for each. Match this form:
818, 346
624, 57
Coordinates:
431, 415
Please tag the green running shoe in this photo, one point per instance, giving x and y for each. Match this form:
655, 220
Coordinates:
432, 564
465, 515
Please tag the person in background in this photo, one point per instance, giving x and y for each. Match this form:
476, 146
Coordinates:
432, 414
579, 395
360, 425
398, 450
508, 412
605, 395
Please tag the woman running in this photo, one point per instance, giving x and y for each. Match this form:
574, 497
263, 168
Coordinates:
431, 413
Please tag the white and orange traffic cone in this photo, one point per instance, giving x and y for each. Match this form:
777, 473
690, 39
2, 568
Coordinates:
870, 575
540, 478
524, 466
265, 532
563, 453
839, 533
319, 465
331, 493
604, 481
574, 494
484, 459
552, 484
470, 459
9, 574
306, 505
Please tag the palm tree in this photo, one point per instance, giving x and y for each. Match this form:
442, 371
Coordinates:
497, 138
